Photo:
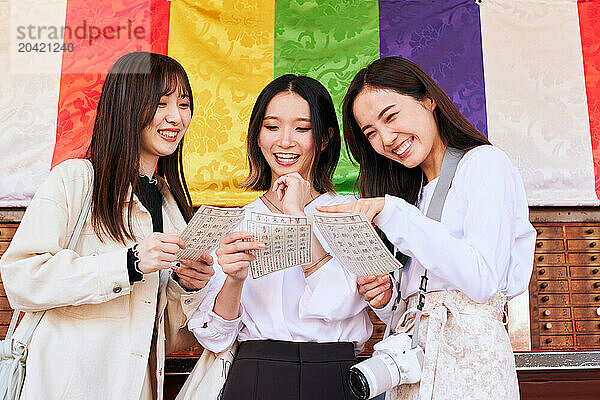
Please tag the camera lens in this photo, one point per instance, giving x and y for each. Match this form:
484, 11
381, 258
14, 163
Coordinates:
358, 383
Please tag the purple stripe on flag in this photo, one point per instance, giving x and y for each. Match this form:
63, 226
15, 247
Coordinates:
444, 38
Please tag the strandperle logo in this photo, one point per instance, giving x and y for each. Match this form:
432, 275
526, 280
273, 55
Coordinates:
83, 31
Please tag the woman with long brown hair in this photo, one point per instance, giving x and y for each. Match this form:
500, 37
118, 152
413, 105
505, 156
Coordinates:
113, 306
399, 125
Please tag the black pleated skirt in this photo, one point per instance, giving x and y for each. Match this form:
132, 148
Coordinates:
278, 370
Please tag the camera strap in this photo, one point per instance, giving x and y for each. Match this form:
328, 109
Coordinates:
434, 211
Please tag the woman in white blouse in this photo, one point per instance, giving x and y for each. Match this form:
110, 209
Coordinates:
299, 328
398, 123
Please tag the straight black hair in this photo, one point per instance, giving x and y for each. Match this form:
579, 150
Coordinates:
324, 125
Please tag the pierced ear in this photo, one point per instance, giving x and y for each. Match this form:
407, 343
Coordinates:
326, 141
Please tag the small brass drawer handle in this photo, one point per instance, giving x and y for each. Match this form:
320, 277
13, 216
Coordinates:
595, 271
539, 231
544, 285
546, 313
589, 231
597, 298
541, 258
548, 341
546, 298
539, 244
593, 258
596, 285
548, 325
593, 244
543, 271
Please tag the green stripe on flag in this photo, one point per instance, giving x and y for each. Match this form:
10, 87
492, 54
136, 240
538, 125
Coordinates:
331, 41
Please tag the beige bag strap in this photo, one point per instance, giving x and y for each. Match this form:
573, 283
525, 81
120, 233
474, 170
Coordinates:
72, 242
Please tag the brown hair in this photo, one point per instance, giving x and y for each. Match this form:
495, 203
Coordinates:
378, 175
322, 120
128, 101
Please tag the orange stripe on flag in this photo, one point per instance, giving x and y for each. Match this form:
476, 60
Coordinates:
100, 32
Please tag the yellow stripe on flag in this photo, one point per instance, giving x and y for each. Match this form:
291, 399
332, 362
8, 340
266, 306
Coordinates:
226, 48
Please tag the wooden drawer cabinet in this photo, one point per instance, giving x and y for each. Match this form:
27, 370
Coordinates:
550, 259
555, 313
587, 341
544, 273
556, 341
553, 299
565, 287
3, 246
549, 231
585, 285
583, 245
583, 231
553, 286
583, 258
7, 231
587, 326
550, 245
586, 313
586, 299
585, 272
556, 327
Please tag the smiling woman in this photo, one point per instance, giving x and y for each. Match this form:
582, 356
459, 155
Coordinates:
400, 127
112, 306
299, 328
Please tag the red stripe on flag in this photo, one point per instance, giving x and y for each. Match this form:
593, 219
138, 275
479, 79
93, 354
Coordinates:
100, 32
589, 15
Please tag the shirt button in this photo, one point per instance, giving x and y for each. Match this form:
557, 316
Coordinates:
187, 301
117, 289
94, 254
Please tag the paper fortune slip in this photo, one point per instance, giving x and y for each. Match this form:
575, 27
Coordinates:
355, 243
206, 228
287, 241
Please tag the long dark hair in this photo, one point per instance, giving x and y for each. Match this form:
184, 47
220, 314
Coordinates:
378, 175
322, 121
129, 99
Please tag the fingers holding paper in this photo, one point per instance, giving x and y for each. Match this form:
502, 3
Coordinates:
376, 290
194, 275
233, 254
371, 207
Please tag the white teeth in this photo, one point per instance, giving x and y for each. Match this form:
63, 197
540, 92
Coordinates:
170, 134
286, 156
405, 145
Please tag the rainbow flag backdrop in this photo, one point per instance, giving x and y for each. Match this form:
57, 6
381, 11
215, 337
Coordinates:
525, 72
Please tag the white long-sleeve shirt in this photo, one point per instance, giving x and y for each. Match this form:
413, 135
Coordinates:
484, 243
285, 305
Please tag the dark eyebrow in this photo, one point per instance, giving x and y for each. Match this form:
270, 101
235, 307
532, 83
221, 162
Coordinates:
384, 110
378, 117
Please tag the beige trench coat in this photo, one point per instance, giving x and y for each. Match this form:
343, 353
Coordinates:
94, 340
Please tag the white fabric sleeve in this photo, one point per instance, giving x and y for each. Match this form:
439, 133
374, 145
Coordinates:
39, 273
212, 331
331, 294
476, 263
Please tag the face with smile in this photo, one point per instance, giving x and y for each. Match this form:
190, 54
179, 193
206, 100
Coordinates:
285, 138
401, 128
162, 135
